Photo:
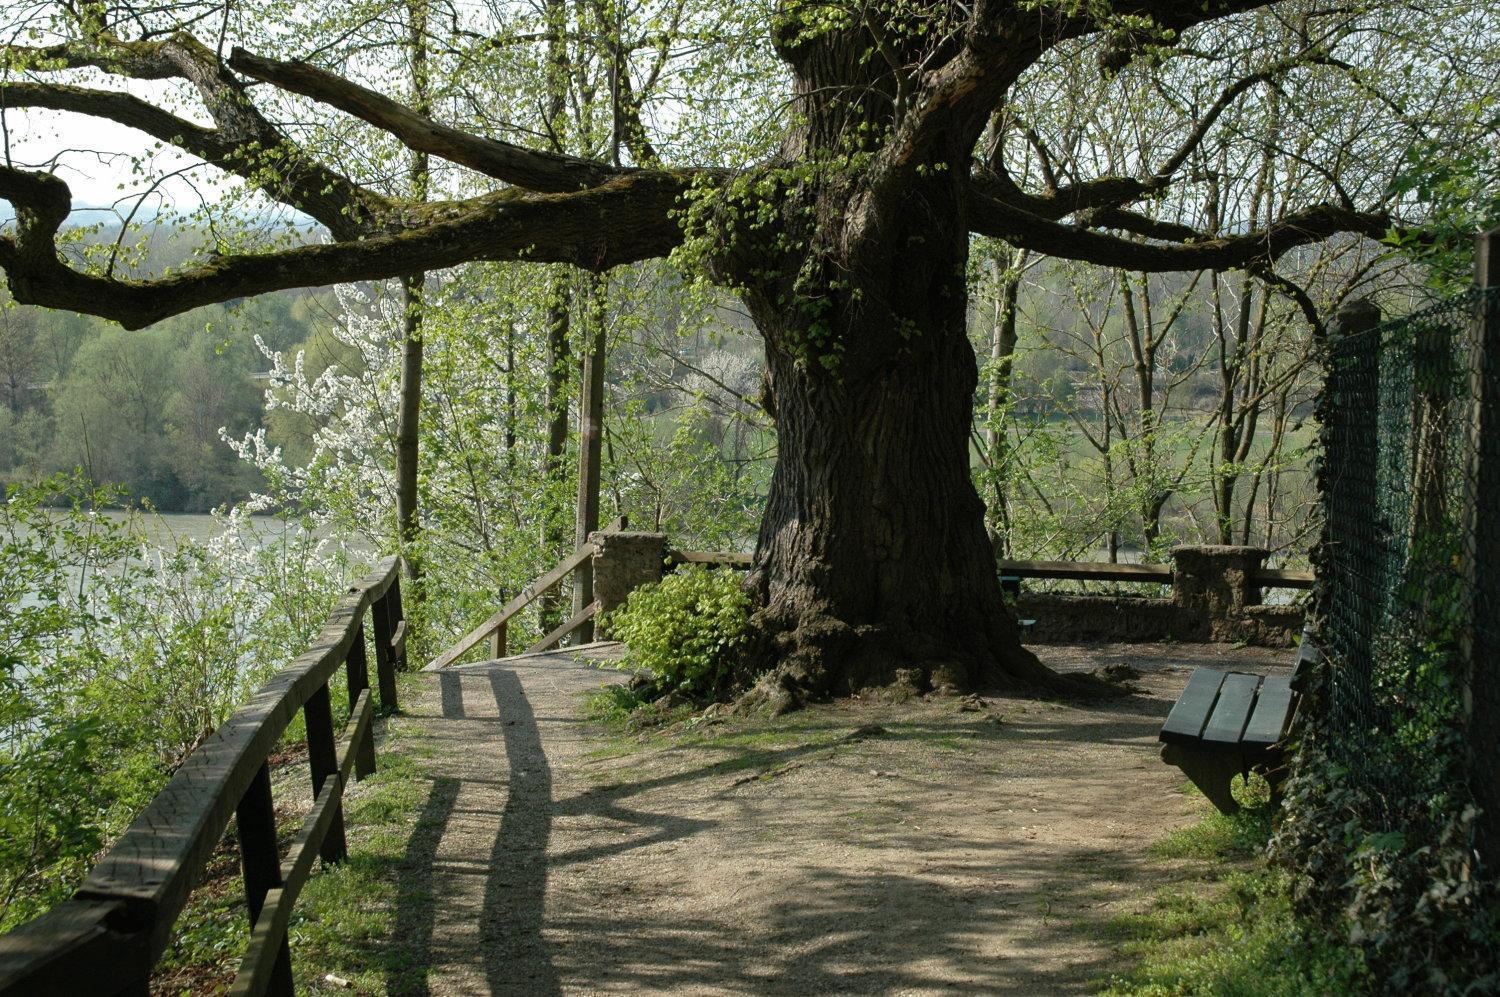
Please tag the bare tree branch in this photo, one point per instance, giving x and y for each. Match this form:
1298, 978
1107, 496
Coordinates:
1300, 228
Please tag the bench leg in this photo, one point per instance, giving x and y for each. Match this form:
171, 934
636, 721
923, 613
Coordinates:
1211, 771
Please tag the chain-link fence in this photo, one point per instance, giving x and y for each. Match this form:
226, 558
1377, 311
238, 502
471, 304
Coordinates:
1395, 813
1399, 453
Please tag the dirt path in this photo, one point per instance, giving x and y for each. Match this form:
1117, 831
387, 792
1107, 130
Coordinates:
959, 849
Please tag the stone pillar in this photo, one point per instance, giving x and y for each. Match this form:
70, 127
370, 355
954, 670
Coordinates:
624, 561
1214, 584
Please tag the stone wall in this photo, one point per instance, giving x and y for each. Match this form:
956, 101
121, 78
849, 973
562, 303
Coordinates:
1214, 600
623, 561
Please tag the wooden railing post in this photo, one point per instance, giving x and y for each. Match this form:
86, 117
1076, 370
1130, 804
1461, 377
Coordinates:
255, 822
397, 617
358, 669
107, 938
385, 664
323, 759
499, 642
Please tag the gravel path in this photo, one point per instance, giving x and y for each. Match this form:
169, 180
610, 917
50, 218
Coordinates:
972, 848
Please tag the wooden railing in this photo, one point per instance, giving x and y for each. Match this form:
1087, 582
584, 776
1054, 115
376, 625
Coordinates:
106, 939
1081, 571
1159, 574
496, 628
728, 559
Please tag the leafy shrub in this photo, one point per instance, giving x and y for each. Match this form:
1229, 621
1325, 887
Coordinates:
685, 629
1398, 877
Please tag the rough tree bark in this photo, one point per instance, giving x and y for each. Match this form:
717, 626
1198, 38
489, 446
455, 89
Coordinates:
872, 556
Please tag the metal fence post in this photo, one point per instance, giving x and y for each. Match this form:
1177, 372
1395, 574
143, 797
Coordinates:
1350, 415
1479, 642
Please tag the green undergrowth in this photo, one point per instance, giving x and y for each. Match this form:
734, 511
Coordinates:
1232, 932
685, 630
345, 917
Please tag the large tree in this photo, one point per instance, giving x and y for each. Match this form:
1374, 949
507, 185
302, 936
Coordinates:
849, 246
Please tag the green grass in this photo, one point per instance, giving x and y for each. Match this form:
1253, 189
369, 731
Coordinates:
345, 920
1242, 941
1225, 838
1237, 936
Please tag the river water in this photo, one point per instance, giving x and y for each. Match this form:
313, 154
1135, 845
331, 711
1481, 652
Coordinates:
167, 530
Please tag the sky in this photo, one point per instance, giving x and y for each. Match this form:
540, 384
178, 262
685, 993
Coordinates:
94, 157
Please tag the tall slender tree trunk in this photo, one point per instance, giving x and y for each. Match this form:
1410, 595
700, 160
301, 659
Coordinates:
1002, 366
511, 421
559, 324
408, 417
590, 438
409, 410
559, 320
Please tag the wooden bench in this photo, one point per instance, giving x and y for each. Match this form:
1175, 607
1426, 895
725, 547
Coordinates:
1228, 723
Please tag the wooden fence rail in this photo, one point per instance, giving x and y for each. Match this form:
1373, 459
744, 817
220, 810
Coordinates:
495, 629
1082, 571
1159, 574
106, 939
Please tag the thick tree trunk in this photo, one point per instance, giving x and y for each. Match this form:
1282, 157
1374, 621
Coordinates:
873, 565
872, 557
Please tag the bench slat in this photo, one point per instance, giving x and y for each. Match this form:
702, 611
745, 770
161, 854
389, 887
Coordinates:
1232, 711
1272, 708
1307, 660
1186, 721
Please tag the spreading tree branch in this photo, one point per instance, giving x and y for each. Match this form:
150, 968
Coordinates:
282, 172
627, 219
545, 172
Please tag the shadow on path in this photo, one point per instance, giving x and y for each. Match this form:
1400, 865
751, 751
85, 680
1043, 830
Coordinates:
452, 686
517, 956
900, 898
414, 896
